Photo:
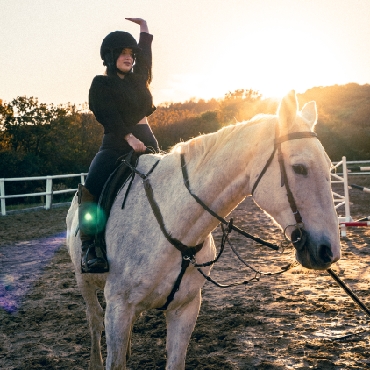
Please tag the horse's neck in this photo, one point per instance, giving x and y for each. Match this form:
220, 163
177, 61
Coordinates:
219, 169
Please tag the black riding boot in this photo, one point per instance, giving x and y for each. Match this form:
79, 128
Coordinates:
93, 259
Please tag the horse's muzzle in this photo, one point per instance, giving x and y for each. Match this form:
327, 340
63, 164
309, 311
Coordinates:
311, 255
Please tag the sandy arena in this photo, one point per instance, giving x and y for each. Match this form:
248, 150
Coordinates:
297, 320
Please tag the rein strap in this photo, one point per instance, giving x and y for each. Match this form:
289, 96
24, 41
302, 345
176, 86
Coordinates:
214, 214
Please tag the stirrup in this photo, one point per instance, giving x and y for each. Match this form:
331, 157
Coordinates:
97, 265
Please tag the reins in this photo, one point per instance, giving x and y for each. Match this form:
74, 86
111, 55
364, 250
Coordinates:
349, 292
214, 214
225, 238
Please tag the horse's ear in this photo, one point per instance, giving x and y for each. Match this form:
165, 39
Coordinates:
287, 111
309, 113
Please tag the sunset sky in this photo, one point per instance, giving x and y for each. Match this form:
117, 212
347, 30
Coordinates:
202, 48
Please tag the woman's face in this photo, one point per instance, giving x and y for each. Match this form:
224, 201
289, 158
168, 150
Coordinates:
125, 60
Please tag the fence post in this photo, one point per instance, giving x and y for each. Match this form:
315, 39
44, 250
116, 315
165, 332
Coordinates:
2, 193
347, 211
82, 178
49, 192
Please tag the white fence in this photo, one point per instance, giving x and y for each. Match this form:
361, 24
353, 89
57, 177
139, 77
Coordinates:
342, 178
340, 200
48, 193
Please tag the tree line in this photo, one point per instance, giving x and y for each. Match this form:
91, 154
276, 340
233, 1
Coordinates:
38, 139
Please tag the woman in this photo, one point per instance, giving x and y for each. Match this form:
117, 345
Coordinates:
121, 101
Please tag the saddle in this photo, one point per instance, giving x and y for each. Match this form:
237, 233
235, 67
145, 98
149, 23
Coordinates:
115, 182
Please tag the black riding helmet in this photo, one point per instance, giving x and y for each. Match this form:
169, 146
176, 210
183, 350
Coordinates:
113, 44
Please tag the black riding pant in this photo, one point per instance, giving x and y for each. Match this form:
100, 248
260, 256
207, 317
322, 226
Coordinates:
114, 146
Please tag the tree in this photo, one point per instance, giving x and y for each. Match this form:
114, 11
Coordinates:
239, 105
186, 128
25, 123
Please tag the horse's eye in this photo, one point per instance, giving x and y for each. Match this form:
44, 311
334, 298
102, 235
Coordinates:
300, 169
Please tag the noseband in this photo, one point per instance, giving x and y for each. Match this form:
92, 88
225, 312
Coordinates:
284, 177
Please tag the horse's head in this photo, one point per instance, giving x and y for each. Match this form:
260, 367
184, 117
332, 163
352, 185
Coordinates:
296, 190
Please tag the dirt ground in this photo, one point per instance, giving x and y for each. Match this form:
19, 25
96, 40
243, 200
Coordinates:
297, 320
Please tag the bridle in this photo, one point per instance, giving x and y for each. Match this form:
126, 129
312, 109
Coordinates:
299, 226
299, 233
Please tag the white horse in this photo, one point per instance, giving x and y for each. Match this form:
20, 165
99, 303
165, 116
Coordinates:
223, 168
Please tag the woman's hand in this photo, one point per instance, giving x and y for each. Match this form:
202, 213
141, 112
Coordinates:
135, 143
141, 22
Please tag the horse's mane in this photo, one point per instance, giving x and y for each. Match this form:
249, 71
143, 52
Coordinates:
208, 143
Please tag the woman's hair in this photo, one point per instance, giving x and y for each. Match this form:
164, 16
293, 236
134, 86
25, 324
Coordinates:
111, 70
110, 60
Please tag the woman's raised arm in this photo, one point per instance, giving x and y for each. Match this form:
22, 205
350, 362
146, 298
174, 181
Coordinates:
141, 22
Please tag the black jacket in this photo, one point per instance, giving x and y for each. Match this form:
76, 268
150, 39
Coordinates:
119, 104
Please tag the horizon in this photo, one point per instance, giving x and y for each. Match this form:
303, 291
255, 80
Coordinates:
50, 50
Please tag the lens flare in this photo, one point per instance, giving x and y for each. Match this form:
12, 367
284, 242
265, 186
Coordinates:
88, 217
94, 218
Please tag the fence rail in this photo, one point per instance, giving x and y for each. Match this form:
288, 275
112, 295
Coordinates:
48, 193
354, 170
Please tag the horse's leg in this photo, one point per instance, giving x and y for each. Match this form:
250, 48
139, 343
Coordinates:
180, 325
118, 324
95, 315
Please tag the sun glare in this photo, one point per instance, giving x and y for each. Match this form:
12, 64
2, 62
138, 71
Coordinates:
278, 60
274, 60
